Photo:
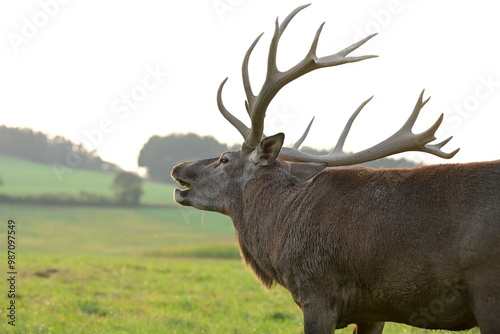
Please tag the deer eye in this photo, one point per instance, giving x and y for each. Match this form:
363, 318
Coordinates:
224, 160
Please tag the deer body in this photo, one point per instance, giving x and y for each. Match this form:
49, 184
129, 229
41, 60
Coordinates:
358, 239
356, 245
363, 245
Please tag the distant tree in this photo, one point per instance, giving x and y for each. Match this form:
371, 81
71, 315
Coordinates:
128, 188
160, 154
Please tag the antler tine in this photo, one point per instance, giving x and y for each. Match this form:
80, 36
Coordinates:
246, 78
334, 59
402, 140
242, 128
340, 143
436, 149
304, 135
278, 31
416, 111
343, 136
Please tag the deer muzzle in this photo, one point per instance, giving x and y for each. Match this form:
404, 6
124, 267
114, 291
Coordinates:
181, 196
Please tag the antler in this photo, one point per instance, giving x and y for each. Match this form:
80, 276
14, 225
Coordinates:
256, 105
402, 140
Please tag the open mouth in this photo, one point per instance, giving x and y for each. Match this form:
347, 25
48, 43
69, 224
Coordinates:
181, 195
184, 184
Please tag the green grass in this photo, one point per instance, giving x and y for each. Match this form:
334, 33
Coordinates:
113, 231
124, 270
109, 294
102, 294
22, 177
112, 270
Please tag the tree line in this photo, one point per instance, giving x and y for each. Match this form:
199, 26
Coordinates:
161, 153
39, 147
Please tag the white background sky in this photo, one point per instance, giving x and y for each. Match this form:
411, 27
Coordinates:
68, 66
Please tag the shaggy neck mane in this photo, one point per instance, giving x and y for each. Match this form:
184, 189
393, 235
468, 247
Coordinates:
256, 228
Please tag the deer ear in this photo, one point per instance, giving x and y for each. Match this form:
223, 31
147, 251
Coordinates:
268, 150
305, 170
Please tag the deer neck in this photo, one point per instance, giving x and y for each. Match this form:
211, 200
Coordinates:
260, 218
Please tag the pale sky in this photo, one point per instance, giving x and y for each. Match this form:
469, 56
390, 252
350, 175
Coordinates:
113, 73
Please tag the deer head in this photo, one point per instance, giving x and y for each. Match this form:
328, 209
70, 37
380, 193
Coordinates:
213, 184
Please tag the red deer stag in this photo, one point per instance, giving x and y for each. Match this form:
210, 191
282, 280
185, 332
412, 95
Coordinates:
419, 246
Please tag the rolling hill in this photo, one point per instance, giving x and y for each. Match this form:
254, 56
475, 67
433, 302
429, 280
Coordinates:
25, 178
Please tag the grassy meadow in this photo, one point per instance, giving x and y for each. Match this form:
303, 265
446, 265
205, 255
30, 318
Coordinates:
21, 177
130, 270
